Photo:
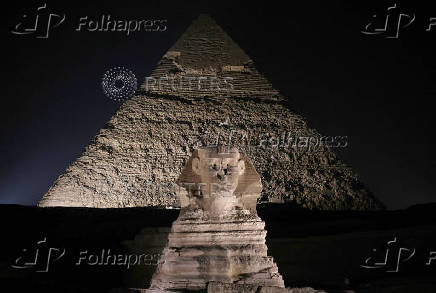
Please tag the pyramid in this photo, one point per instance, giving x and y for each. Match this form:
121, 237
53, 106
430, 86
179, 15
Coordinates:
205, 91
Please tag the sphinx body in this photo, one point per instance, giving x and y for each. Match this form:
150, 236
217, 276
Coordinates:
218, 235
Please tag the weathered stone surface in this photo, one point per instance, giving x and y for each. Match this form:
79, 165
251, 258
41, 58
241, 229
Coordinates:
137, 157
296, 290
217, 287
217, 237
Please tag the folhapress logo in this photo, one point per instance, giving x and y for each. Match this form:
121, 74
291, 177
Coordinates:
393, 256
39, 24
391, 23
40, 258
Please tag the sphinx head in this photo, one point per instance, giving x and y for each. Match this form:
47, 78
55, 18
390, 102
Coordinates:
218, 168
218, 178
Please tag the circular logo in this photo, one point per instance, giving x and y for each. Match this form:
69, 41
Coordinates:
119, 83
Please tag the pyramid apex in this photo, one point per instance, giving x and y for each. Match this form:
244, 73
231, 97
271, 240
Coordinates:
206, 44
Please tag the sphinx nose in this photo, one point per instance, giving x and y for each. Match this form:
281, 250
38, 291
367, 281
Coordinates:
220, 174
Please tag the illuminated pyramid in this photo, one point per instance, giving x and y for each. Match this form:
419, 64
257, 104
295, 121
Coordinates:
204, 91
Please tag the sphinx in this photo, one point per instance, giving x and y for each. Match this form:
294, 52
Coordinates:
218, 236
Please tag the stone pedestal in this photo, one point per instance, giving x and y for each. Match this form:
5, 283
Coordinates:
229, 250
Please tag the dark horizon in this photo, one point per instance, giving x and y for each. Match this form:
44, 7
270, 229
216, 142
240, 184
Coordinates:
374, 90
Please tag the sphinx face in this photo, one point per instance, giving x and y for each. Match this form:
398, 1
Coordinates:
219, 172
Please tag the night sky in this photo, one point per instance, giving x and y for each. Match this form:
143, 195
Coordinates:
378, 91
